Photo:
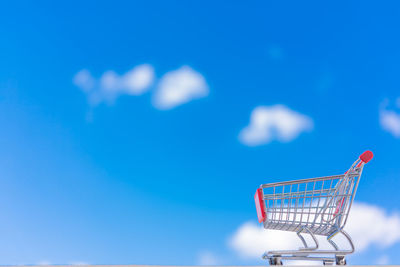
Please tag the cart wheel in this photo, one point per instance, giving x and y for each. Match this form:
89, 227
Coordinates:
275, 261
340, 260
328, 262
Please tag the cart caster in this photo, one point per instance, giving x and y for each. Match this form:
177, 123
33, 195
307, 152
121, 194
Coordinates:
275, 261
340, 260
328, 262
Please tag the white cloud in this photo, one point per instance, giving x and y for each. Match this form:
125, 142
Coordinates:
370, 224
207, 258
44, 262
251, 240
111, 85
367, 225
179, 87
79, 263
84, 80
274, 122
138, 80
390, 121
383, 260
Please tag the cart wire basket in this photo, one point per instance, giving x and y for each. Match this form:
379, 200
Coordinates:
316, 206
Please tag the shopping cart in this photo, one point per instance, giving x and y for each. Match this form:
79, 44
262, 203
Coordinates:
316, 206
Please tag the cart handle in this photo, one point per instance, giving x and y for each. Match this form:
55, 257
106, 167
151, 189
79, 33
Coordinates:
366, 156
259, 199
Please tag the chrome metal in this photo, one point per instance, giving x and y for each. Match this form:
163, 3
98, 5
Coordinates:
315, 206
306, 247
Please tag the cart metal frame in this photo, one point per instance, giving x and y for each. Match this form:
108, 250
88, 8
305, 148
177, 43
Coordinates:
316, 206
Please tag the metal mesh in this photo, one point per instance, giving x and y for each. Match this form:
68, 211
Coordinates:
320, 204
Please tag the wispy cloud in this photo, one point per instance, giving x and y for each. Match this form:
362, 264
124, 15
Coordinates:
208, 258
278, 122
84, 80
44, 263
79, 263
389, 119
175, 88
383, 260
111, 85
367, 225
179, 87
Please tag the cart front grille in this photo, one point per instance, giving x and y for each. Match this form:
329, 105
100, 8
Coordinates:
320, 204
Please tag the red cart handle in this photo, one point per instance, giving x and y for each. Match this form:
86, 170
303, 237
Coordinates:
259, 199
366, 156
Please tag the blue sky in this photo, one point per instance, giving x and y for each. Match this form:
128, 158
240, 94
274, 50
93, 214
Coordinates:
126, 128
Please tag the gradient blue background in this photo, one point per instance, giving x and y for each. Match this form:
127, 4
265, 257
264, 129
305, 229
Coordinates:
142, 186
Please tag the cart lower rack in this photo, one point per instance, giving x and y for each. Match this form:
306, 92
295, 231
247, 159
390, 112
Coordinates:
316, 206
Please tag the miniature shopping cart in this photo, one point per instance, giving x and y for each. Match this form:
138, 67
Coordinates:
316, 206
